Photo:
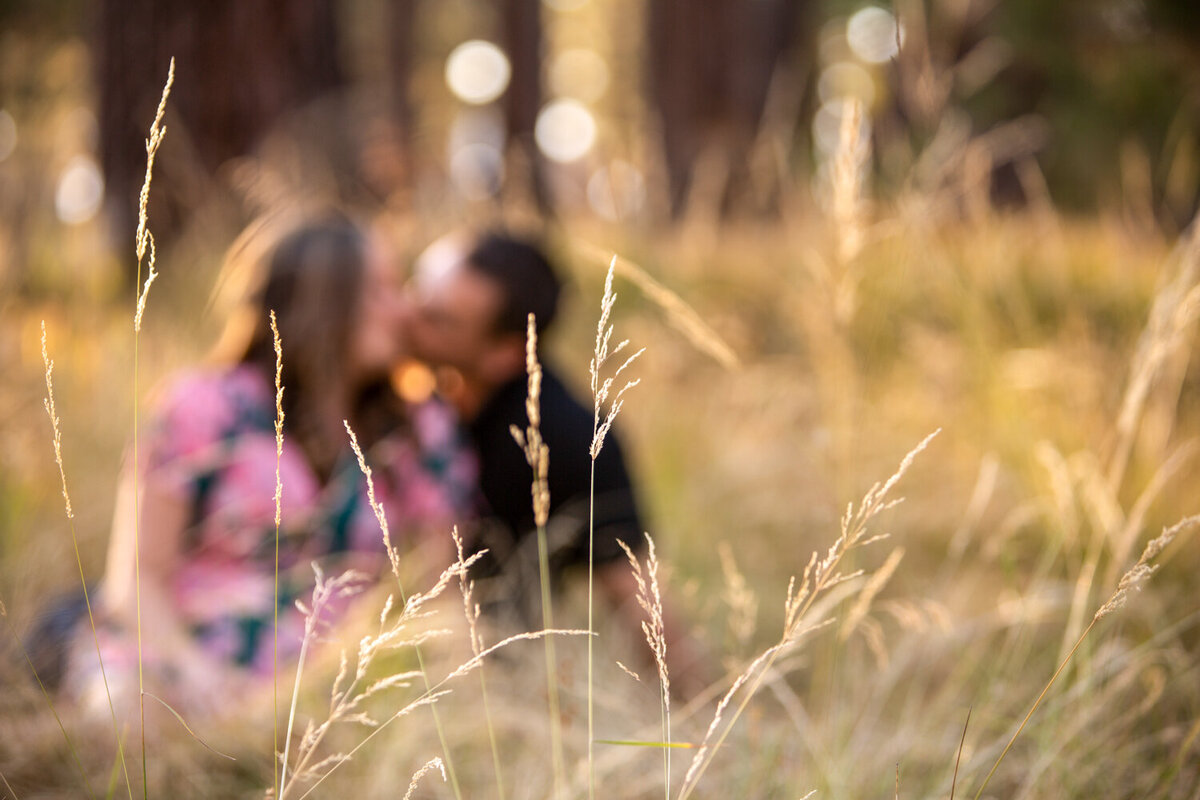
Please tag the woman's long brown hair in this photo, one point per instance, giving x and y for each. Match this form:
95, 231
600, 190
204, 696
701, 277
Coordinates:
313, 280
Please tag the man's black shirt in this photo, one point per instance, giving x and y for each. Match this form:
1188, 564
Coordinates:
505, 480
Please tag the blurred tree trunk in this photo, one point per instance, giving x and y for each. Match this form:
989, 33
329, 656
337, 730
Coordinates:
399, 176
710, 66
402, 21
522, 42
240, 65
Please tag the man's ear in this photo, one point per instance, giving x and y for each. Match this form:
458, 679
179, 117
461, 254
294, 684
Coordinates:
505, 358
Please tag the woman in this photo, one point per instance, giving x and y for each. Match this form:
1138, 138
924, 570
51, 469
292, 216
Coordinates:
204, 540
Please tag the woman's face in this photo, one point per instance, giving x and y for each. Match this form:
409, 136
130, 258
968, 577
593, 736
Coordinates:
377, 343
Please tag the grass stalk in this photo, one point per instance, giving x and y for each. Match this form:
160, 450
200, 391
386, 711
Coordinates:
137, 577
430, 765
1131, 581
183, 723
348, 695
649, 597
287, 741
554, 707
279, 416
677, 313
819, 577
491, 729
323, 592
437, 720
958, 758
143, 241
52, 412
471, 612
1036, 704
49, 704
436, 692
537, 454
591, 627
602, 421
394, 559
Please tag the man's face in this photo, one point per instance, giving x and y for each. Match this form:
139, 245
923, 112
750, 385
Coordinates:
453, 309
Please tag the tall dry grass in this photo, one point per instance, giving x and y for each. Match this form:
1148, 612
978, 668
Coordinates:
973, 616
537, 455
1055, 356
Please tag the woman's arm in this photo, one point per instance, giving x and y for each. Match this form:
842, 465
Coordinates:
144, 555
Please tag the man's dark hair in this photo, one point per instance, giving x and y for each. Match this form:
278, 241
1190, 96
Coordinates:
525, 276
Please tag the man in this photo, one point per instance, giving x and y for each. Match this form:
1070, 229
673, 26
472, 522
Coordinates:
472, 297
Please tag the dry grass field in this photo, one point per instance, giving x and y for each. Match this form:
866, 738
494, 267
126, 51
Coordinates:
1052, 355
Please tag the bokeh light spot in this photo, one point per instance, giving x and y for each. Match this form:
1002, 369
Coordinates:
617, 192
872, 35
477, 171
846, 79
80, 191
476, 153
477, 72
580, 73
565, 130
414, 381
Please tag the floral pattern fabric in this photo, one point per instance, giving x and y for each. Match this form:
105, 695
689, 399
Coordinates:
212, 445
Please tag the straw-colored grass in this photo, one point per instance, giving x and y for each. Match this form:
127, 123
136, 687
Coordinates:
537, 455
649, 597
996, 545
791, 365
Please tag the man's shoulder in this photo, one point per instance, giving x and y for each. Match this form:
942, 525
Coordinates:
566, 421
562, 407
555, 389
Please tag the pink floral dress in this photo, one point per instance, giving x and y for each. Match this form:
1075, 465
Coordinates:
212, 444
